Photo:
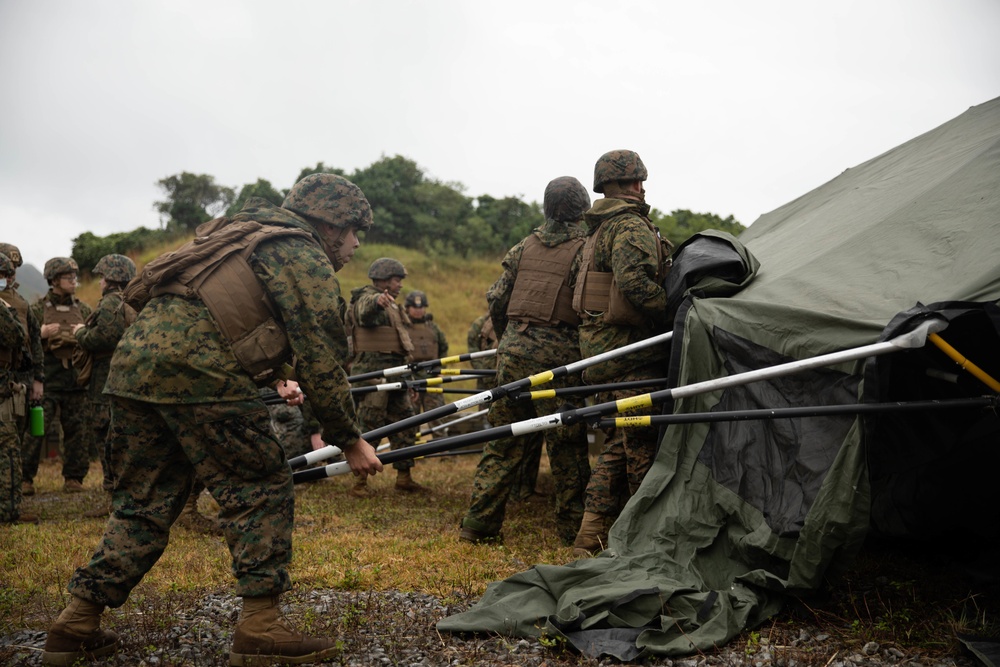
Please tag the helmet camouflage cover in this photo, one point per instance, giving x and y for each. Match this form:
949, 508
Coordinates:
115, 268
416, 299
6, 265
384, 268
57, 266
12, 253
618, 165
565, 199
331, 199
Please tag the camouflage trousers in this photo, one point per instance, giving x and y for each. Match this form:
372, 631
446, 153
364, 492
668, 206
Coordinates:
10, 462
380, 408
503, 461
71, 410
290, 428
626, 457
426, 401
158, 452
99, 423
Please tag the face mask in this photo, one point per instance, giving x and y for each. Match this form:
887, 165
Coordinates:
3, 284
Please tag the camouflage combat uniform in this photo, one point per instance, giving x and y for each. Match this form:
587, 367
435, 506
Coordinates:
483, 336
13, 354
427, 401
377, 409
528, 346
64, 400
627, 247
35, 372
101, 333
183, 409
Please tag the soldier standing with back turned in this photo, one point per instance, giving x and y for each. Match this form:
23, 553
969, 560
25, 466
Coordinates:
531, 303
621, 300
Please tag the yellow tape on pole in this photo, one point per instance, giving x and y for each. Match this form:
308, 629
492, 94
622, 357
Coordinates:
626, 422
966, 365
543, 393
541, 378
634, 402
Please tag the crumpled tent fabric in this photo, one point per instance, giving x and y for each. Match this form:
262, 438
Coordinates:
733, 516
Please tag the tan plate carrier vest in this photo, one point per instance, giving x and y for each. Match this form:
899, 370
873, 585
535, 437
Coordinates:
215, 269
14, 300
541, 294
425, 341
61, 345
597, 292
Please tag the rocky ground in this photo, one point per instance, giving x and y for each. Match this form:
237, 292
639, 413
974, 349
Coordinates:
393, 628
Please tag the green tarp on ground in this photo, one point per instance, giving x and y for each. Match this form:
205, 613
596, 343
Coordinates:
735, 515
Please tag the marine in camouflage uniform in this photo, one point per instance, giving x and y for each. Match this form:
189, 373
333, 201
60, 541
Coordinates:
381, 341
65, 401
98, 337
625, 247
429, 342
483, 336
13, 359
531, 303
185, 406
33, 375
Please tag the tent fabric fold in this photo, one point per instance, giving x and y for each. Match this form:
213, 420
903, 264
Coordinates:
735, 516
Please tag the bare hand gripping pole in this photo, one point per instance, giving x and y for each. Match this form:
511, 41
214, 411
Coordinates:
912, 339
487, 396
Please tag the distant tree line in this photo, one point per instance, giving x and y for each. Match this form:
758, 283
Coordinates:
410, 209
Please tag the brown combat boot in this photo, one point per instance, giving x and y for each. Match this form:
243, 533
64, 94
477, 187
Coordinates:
27, 517
263, 637
361, 489
405, 483
592, 536
73, 486
27, 489
195, 521
77, 635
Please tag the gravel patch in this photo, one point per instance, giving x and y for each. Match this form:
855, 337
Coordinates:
395, 628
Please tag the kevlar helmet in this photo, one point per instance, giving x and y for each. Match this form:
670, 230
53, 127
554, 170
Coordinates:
12, 253
565, 199
416, 299
57, 266
618, 165
384, 268
6, 266
331, 199
115, 268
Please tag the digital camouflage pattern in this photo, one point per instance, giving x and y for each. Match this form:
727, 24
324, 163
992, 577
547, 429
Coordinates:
627, 247
12, 343
376, 409
331, 199
384, 268
57, 266
193, 415
160, 449
13, 253
416, 299
423, 401
619, 165
290, 428
115, 268
64, 402
99, 336
7, 267
565, 199
524, 351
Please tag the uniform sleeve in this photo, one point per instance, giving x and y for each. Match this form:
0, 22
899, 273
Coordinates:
11, 331
104, 328
367, 312
301, 282
498, 296
35, 346
442, 341
634, 263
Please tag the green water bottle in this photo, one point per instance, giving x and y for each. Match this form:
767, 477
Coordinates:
37, 420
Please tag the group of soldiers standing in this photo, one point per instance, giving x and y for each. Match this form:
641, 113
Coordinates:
254, 304
59, 363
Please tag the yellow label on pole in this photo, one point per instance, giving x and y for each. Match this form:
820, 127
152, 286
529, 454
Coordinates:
434, 381
634, 402
450, 371
640, 420
541, 378
450, 360
543, 393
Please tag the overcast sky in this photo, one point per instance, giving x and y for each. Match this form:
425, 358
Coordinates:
735, 107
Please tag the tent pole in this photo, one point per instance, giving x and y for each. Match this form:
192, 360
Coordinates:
964, 363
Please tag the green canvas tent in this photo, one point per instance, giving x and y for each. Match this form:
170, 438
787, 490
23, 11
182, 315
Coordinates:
736, 515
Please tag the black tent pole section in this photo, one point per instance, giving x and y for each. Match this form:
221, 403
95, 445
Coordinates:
421, 365
587, 389
487, 396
